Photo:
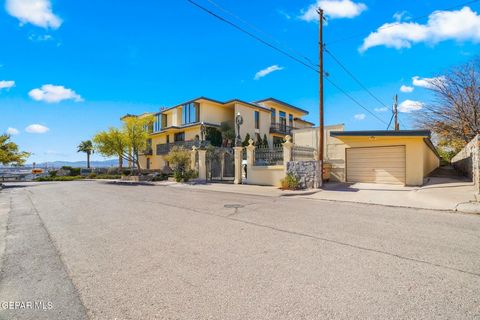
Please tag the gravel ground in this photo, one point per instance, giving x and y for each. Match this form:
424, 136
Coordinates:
102, 251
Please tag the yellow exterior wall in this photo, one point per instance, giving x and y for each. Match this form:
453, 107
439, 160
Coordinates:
266, 176
414, 149
216, 113
430, 160
334, 150
248, 125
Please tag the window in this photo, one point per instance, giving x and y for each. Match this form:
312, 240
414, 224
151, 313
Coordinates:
257, 120
156, 123
290, 120
274, 115
190, 113
179, 137
168, 138
164, 121
282, 120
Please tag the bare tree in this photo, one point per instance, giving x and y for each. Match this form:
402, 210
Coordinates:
454, 114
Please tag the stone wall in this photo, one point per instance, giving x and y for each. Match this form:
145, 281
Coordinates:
467, 161
308, 172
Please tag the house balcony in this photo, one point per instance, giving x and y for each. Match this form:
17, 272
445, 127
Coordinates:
163, 149
281, 128
148, 151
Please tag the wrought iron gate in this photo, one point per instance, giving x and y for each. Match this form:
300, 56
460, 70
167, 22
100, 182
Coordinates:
220, 164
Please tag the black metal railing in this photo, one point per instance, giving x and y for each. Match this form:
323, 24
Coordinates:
163, 149
265, 156
148, 151
281, 128
300, 153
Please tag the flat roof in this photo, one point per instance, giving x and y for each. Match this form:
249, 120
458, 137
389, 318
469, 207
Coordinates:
284, 103
382, 133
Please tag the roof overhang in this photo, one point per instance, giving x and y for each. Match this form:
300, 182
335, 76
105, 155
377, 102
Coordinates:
288, 105
382, 133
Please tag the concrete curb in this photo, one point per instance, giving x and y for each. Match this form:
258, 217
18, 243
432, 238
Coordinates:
469, 207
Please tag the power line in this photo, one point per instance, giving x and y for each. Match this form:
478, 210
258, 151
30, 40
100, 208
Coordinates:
252, 35
262, 32
354, 100
284, 53
354, 77
392, 25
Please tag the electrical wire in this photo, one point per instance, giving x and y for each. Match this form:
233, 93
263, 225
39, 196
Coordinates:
289, 55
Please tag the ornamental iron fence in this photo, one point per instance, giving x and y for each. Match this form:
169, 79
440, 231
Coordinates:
300, 153
265, 156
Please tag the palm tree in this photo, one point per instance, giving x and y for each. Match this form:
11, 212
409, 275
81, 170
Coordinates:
87, 147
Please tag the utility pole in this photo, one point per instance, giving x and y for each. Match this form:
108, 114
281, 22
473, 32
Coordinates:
395, 112
321, 125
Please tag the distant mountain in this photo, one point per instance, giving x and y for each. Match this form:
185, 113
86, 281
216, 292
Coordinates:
76, 164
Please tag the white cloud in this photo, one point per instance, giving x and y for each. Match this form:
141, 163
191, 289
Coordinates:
406, 89
334, 9
460, 25
384, 109
12, 131
426, 82
4, 84
360, 116
262, 73
53, 94
36, 128
408, 106
36, 12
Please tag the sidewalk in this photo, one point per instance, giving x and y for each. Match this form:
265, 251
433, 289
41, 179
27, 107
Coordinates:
437, 194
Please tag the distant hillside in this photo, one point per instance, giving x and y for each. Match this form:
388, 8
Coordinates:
77, 164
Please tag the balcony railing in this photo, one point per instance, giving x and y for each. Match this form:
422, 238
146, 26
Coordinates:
148, 151
163, 149
281, 128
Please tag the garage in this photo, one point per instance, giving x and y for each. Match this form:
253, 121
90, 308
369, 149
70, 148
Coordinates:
402, 157
384, 165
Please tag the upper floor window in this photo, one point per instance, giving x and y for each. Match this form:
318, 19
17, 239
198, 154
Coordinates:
290, 120
190, 113
257, 120
156, 123
274, 115
164, 121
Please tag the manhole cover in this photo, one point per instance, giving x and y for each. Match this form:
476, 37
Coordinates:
233, 206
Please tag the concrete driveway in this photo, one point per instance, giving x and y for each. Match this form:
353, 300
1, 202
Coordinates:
100, 251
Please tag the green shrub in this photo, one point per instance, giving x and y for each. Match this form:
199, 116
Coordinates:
92, 175
290, 182
53, 173
108, 176
66, 178
75, 172
160, 177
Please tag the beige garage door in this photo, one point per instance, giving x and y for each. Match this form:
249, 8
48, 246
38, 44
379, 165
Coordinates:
376, 165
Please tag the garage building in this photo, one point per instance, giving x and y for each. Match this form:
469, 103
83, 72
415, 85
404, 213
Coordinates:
402, 157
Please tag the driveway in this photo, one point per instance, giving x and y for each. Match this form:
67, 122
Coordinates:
93, 250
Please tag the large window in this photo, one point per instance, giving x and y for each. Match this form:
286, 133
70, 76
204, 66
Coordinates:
164, 121
282, 120
290, 120
257, 119
179, 137
274, 115
157, 123
190, 113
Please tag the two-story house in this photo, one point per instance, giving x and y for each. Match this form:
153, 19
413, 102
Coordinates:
181, 124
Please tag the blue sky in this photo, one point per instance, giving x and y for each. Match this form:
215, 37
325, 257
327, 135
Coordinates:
72, 68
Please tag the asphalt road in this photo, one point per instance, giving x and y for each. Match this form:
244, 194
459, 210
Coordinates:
92, 250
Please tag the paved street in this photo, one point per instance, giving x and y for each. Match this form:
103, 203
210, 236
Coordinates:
93, 250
